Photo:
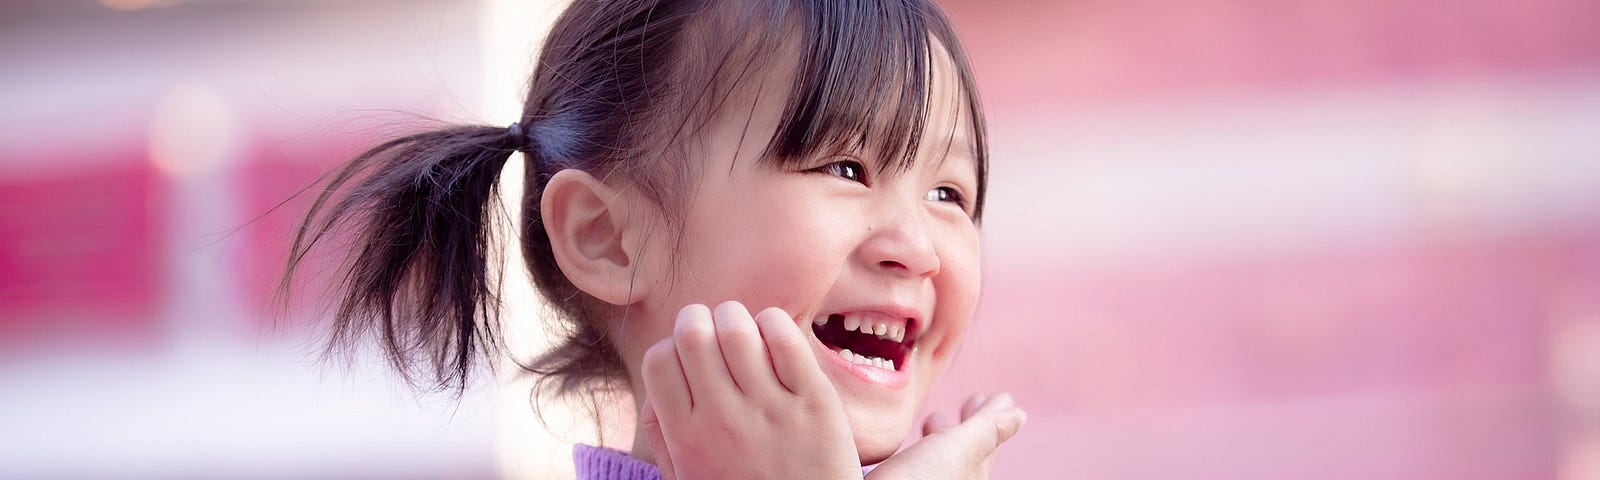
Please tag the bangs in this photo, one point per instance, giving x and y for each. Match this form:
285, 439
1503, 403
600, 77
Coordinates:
863, 77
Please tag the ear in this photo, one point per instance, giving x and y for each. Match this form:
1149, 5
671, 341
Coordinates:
589, 226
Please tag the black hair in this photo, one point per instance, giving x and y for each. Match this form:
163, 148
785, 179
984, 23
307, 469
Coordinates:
619, 87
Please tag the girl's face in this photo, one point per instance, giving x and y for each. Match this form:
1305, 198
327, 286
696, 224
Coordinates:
838, 243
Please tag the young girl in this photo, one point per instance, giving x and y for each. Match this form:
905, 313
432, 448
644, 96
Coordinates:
758, 216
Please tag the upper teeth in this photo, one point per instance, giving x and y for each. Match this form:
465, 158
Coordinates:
887, 329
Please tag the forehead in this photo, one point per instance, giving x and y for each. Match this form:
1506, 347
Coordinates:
948, 136
796, 82
895, 125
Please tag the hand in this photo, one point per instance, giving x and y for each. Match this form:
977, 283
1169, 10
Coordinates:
963, 451
729, 396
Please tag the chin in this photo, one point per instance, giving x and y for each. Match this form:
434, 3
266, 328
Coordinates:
878, 436
873, 454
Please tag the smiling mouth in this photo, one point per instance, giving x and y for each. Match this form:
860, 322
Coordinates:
868, 339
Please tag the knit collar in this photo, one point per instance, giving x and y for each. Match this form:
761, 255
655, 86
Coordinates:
600, 463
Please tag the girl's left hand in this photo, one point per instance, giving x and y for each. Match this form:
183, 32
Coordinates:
730, 396
961, 451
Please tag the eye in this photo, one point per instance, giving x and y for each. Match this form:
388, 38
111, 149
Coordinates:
847, 169
947, 194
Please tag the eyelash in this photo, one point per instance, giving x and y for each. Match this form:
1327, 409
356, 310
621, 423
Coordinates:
837, 169
856, 172
954, 196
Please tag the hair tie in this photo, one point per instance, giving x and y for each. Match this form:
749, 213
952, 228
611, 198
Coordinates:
520, 134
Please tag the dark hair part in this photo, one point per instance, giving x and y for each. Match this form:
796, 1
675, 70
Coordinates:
620, 87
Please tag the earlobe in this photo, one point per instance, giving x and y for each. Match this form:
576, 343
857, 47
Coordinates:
588, 223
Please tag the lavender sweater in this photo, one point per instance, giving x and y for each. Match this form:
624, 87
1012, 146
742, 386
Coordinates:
597, 463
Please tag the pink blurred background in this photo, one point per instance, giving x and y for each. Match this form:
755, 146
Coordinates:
1317, 239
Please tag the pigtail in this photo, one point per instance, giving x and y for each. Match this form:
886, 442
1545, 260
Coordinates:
414, 213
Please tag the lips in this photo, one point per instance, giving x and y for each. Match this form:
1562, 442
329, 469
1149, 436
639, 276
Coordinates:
872, 338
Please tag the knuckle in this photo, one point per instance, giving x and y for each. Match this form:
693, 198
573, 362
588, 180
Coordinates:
1005, 427
659, 368
773, 313
775, 418
731, 310
693, 331
787, 345
734, 325
651, 420
694, 309
775, 320
724, 427
740, 338
691, 315
819, 403
660, 353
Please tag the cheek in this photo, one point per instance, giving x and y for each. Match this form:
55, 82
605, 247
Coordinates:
765, 249
958, 284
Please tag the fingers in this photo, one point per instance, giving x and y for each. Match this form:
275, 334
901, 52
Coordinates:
995, 420
935, 423
972, 405
986, 422
986, 403
725, 353
666, 387
695, 336
657, 442
964, 450
743, 350
791, 353
1000, 400
720, 389
975, 405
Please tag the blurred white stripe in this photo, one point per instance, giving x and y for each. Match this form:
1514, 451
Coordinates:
1375, 165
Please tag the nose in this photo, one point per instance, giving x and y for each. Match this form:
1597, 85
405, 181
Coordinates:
901, 245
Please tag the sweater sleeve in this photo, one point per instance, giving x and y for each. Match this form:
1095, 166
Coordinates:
598, 463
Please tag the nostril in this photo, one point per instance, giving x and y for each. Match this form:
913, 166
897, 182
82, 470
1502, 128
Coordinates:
891, 264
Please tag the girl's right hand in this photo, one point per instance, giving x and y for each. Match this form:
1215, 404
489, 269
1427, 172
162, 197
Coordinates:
730, 396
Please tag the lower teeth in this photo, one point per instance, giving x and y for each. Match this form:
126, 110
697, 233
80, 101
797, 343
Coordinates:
867, 360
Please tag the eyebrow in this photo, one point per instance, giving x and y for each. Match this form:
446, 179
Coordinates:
961, 145
968, 148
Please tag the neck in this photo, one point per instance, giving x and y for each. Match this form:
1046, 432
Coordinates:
641, 445
641, 448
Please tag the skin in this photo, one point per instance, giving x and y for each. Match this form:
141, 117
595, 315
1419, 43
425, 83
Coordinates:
717, 333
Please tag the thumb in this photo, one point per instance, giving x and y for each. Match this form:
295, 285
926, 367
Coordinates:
658, 443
